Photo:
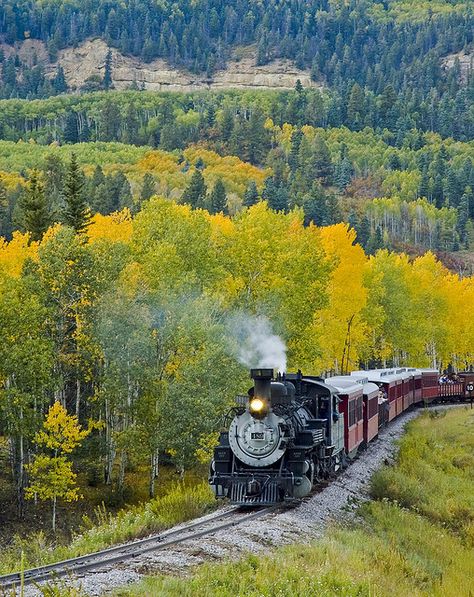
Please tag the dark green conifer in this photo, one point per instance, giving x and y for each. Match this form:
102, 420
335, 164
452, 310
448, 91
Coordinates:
76, 211
251, 195
107, 81
148, 187
218, 198
35, 213
196, 190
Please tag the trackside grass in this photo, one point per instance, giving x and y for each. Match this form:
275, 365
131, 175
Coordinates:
181, 503
414, 539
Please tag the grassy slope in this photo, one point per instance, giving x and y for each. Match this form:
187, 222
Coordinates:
415, 539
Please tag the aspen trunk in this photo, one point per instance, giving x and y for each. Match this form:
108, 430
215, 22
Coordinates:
109, 444
78, 397
123, 466
54, 514
154, 472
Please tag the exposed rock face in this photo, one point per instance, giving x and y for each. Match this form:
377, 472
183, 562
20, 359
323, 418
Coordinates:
30, 51
88, 60
466, 63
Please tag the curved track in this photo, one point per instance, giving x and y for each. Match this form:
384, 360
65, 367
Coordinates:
127, 551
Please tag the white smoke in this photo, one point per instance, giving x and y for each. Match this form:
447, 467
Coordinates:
254, 344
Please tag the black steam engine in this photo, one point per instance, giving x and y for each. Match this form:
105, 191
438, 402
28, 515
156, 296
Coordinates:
286, 435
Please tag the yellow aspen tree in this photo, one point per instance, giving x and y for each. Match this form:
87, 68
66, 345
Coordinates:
52, 477
340, 325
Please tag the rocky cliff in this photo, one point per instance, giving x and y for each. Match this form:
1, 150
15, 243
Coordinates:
87, 61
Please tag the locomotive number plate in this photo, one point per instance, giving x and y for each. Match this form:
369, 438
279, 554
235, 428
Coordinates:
257, 435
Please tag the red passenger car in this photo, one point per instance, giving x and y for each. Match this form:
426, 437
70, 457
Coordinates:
429, 384
390, 385
415, 385
371, 411
351, 394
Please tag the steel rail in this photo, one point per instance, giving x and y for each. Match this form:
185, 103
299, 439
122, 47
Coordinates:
127, 551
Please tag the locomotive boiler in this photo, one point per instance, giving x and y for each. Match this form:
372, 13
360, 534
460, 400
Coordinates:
286, 434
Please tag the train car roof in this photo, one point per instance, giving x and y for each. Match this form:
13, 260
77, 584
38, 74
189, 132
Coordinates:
398, 372
344, 384
370, 388
380, 375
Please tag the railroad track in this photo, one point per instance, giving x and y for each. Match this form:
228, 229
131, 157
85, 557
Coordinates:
120, 553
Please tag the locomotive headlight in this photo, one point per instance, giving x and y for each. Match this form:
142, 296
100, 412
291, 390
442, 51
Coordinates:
257, 407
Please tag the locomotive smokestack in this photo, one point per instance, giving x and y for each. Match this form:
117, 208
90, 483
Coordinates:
262, 383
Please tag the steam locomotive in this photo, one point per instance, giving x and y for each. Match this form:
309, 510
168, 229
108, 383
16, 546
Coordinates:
294, 431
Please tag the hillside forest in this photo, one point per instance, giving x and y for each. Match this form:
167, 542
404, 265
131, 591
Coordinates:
408, 191
149, 242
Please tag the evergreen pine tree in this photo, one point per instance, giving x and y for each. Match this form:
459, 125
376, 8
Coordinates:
107, 81
276, 194
356, 107
438, 191
218, 198
321, 162
375, 242
98, 177
102, 201
343, 174
76, 211
251, 194
131, 125
363, 231
470, 197
463, 216
3, 210
296, 138
211, 116
71, 133
332, 215
315, 207
196, 190
125, 196
59, 81
35, 214
424, 188
452, 192
110, 121
226, 125
148, 187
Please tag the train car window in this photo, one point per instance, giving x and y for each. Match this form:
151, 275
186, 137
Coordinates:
352, 412
373, 407
360, 409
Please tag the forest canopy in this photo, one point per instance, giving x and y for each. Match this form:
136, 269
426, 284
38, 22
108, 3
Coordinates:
133, 320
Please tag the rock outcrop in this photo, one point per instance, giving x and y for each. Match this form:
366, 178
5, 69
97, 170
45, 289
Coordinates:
466, 63
89, 59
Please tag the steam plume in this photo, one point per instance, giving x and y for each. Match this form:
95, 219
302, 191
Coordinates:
254, 344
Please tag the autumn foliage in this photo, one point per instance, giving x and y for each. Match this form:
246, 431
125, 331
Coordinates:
129, 326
